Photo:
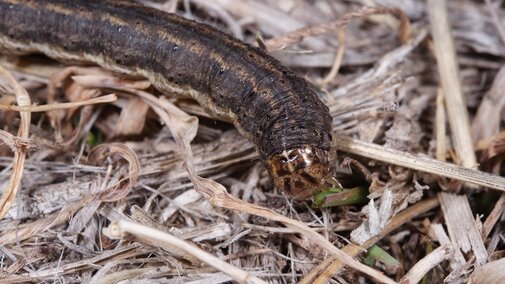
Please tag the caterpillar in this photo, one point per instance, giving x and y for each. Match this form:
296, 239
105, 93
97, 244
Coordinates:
268, 103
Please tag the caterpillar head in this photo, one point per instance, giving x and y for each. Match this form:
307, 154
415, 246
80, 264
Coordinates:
302, 171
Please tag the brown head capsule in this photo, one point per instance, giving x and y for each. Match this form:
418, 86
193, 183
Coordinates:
302, 171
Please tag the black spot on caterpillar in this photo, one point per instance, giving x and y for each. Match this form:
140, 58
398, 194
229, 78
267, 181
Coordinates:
268, 103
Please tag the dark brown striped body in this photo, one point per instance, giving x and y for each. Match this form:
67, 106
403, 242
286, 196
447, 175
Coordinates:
268, 103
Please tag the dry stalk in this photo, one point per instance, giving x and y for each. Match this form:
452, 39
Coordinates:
463, 230
493, 217
23, 100
419, 163
427, 263
449, 76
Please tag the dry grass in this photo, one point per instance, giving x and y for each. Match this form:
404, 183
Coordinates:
137, 186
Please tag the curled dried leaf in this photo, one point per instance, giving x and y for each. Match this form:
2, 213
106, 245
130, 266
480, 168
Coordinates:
123, 182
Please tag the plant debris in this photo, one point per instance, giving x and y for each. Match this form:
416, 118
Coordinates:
106, 180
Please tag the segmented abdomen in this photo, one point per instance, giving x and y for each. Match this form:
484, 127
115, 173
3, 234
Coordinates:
269, 104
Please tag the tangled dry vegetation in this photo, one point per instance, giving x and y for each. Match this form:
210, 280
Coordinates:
100, 183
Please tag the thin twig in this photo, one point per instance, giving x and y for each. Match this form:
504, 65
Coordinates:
163, 239
339, 56
59, 106
298, 35
440, 122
